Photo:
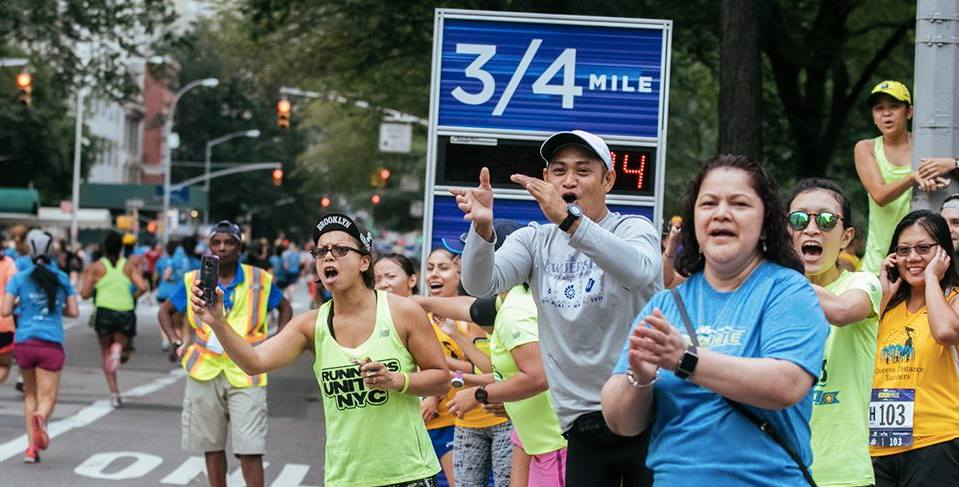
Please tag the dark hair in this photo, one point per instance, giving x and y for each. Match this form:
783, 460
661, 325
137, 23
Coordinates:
938, 229
810, 184
405, 263
777, 243
189, 245
112, 244
47, 280
171, 246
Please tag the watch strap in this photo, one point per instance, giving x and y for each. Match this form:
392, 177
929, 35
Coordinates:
568, 222
481, 395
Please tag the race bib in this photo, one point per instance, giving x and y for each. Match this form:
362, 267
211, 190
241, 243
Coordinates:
890, 417
213, 344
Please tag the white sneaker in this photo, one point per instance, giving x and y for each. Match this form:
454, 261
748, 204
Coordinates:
115, 401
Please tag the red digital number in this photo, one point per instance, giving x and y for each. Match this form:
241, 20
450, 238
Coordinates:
639, 172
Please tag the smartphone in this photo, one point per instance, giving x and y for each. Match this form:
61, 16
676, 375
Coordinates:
893, 274
209, 269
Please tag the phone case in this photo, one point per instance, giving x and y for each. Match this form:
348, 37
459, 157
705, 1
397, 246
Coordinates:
209, 269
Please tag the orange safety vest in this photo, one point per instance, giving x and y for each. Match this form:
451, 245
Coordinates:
247, 317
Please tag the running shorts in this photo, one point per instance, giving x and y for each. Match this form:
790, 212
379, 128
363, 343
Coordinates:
107, 321
6, 341
442, 439
42, 354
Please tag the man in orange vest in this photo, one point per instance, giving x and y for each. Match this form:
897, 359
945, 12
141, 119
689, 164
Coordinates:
219, 397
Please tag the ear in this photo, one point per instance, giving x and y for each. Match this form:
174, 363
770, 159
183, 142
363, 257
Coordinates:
609, 179
847, 236
909, 113
545, 172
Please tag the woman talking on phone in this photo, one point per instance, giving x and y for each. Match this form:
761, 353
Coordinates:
375, 355
917, 369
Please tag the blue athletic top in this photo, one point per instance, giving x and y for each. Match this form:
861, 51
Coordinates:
34, 320
697, 438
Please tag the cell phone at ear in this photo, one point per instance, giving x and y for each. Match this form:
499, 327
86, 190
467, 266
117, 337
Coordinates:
209, 269
893, 274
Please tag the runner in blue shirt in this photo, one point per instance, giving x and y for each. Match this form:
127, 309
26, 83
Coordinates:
44, 294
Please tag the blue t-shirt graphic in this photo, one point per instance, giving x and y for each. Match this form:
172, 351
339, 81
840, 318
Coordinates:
697, 438
34, 319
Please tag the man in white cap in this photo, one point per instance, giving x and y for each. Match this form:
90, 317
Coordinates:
591, 272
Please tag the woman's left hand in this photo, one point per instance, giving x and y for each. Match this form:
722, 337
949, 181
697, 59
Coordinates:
659, 342
463, 402
377, 376
936, 268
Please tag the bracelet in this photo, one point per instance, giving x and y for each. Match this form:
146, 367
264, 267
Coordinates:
406, 383
633, 382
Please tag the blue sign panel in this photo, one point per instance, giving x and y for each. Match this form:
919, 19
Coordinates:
448, 220
502, 75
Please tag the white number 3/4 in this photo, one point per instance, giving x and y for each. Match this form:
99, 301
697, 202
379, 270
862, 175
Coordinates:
475, 70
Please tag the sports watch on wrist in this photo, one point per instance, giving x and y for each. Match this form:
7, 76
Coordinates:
687, 364
481, 395
573, 213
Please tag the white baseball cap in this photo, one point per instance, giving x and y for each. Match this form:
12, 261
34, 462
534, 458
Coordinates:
580, 137
41, 243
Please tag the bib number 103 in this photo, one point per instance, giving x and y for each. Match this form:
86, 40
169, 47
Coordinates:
565, 63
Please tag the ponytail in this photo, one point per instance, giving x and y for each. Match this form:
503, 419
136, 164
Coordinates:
47, 281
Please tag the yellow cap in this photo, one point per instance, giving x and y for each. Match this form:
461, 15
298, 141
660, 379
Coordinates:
129, 238
894, 89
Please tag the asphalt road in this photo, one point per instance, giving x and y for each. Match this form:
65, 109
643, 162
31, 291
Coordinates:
93, 444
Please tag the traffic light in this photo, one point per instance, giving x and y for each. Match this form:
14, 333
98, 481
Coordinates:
277, 177
325, 202
283, 109
380, 178
375, 199
25, 85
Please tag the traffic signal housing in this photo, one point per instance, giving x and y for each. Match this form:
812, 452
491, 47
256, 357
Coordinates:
325, 202
277, 177
283, 109
25, 85
380, 178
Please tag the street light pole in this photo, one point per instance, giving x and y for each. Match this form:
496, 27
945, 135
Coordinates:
167, 152
209, 155
77, 147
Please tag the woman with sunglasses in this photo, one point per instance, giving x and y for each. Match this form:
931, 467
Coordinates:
375, 354
821, 225
914, 408
741, 360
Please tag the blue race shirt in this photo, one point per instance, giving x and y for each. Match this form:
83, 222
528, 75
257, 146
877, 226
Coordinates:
697, 438
178, 300
292, 260
34, 320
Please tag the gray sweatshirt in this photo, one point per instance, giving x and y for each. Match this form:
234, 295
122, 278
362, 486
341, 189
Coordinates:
588, 288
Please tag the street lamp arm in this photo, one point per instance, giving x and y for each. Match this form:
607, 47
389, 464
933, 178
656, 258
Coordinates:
260, 166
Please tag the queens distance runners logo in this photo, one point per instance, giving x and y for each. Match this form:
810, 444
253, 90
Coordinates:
344, 385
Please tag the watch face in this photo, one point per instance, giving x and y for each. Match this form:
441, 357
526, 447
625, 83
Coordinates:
575, 210
481, 395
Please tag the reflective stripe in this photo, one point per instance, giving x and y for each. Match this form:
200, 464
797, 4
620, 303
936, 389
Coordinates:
255, 299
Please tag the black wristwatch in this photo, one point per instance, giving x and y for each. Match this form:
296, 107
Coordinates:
573, 213
481, 395
687, 365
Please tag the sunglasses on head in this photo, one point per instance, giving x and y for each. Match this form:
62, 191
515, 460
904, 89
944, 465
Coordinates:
337, 250
826, 221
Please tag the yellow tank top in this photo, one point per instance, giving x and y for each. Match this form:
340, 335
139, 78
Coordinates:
908, 357
477, 418
883, 219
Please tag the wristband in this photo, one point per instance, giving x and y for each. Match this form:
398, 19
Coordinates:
406, 383
633, 382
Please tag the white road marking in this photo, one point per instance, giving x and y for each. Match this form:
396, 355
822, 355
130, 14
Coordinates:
195, 466
87, 415
291, 476
94, 466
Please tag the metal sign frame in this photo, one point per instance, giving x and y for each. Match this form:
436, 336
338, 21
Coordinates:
436, 131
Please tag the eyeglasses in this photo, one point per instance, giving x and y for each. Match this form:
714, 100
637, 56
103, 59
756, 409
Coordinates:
921, 249
825, 220
337, 250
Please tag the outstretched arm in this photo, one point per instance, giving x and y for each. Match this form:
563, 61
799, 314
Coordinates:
274, 353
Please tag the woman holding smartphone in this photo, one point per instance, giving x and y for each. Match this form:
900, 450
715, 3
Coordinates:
375, 354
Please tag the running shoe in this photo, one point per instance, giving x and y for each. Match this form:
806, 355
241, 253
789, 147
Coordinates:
40, 437
19, 385
31, 455
113, 362
115, 400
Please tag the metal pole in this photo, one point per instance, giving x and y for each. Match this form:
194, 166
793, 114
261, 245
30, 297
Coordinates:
206, 184
935, 123
77, 147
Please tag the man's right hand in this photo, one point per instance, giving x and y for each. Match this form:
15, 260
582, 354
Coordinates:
477, 205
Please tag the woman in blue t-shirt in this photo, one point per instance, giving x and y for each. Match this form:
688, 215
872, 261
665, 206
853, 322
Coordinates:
754, 353
44, 294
